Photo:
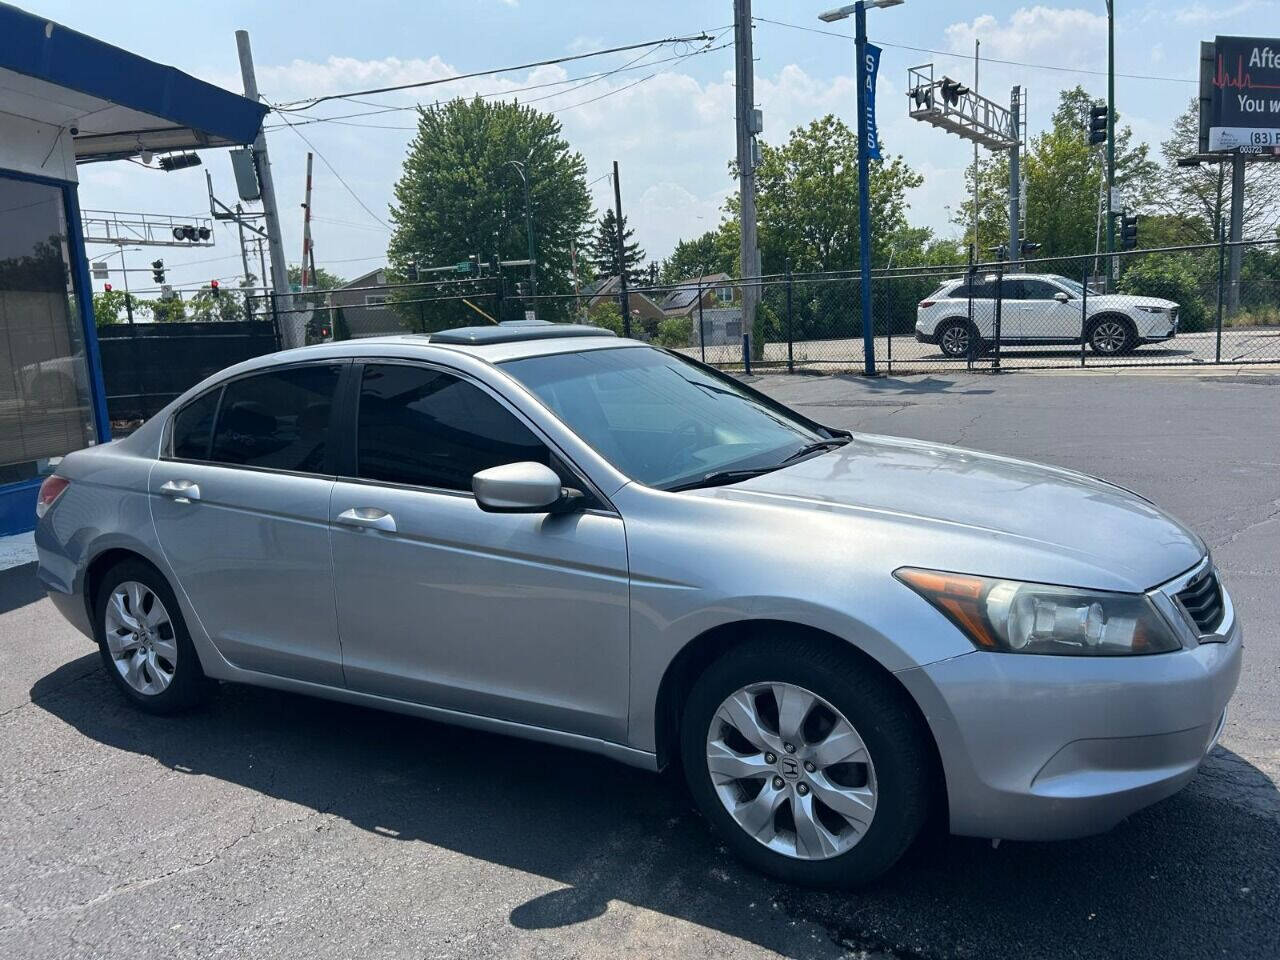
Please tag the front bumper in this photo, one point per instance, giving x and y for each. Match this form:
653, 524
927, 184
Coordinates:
1048, 748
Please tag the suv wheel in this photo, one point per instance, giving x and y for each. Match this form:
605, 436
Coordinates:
954, 337
811, 767
1111, 336
144, 642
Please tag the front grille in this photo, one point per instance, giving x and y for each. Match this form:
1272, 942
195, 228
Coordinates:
1202, 599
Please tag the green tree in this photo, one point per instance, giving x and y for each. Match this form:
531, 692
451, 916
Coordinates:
108, 307
603, 250
458, 195
807, 199
227, 306
323, 279
713, 252
606, 314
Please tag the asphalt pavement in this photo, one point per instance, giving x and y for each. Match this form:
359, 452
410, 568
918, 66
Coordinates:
273, 825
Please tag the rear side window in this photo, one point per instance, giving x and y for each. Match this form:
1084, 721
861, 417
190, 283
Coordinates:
432, 429
278, 420
193, 427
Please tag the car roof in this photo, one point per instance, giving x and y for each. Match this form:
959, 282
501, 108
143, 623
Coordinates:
568, 338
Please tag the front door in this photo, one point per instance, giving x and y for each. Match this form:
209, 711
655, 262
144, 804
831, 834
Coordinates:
521, 617
1037, 313
241, 509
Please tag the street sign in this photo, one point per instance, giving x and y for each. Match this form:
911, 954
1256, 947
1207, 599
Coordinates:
1244, 104
100, 271
463, 266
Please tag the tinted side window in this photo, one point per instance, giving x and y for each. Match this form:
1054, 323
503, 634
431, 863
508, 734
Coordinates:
278, 419
1038, 290
982, 290
432, 429
193, 427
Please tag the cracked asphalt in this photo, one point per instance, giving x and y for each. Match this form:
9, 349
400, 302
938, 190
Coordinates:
270, 825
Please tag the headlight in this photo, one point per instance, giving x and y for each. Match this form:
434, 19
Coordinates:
1010, 616
1152, 309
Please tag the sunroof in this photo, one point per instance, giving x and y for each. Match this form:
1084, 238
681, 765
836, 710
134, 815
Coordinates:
518, 330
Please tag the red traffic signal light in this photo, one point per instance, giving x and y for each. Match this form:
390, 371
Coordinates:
213, 287
106, 287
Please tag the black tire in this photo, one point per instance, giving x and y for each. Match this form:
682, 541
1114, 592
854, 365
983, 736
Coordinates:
880, 713
956, 338
1103, 339
189, 686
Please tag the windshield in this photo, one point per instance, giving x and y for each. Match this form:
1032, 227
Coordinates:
1072, 285
660, 419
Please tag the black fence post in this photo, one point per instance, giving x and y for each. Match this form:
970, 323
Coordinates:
495, 269
995, 356
275, 320
974, 337
1222, 255
1084, 312
746, 339
791, 360
702, 330
886, 294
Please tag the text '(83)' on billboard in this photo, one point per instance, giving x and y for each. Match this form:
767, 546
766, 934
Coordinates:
1245, 104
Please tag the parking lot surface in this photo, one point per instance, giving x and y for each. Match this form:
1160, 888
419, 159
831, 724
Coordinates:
271, 825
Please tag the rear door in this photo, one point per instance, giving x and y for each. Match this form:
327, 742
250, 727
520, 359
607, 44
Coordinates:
241, 508
522, 617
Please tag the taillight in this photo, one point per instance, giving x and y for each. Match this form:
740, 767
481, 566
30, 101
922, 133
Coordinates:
50, 491
927, 303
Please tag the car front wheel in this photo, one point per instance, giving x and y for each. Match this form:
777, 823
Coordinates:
807, 762
1111, 336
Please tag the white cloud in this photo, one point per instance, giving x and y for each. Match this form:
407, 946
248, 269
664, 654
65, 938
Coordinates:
1201, 13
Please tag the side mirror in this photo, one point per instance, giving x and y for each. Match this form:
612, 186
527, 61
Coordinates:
522, 488
1061, 297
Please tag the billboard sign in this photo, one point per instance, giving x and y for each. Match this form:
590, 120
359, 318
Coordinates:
1244, 102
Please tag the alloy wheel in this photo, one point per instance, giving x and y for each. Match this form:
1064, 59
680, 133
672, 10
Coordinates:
955, 340
140, 638
1109, 336
791, 771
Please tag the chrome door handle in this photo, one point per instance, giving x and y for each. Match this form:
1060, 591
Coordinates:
183, 491
370, 517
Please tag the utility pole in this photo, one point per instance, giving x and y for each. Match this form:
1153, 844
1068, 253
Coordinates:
291, 334
624, 300
1015, 177
747, 128
306, 229
244, 253
1111, 140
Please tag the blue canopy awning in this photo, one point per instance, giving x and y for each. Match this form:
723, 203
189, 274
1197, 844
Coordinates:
119, 103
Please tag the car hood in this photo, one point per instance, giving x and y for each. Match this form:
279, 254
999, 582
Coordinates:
1123, 300
980, 496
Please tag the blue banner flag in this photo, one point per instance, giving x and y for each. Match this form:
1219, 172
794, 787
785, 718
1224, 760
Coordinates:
870, 67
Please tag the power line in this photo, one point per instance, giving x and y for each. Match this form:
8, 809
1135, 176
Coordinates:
385, 108
966, 57
346, 186
309, 102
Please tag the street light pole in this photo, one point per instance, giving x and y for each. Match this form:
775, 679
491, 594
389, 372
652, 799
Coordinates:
528, 227
863, 79
1111, 139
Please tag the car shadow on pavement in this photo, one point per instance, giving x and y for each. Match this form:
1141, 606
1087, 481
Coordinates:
1196, 875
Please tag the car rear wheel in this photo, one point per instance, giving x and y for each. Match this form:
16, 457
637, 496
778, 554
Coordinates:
1111, 336
955, 337
808, 763
144, 642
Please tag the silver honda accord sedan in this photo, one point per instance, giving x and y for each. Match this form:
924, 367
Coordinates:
549, 532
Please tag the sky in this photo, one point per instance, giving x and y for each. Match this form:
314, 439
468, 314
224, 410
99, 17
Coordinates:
668, 119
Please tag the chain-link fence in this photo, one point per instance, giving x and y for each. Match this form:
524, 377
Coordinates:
1167, 306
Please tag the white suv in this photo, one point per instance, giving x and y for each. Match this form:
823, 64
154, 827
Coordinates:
1040, 308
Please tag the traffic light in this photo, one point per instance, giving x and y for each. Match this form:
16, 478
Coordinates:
157, 271
178, 161
522, 288
922, 96
411, 273
214, 289
1029, 249
1098, 123
106, 287
1128, 232
952, 91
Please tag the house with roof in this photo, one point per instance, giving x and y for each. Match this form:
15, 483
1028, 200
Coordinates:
642, 306
364, 306
720, 315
